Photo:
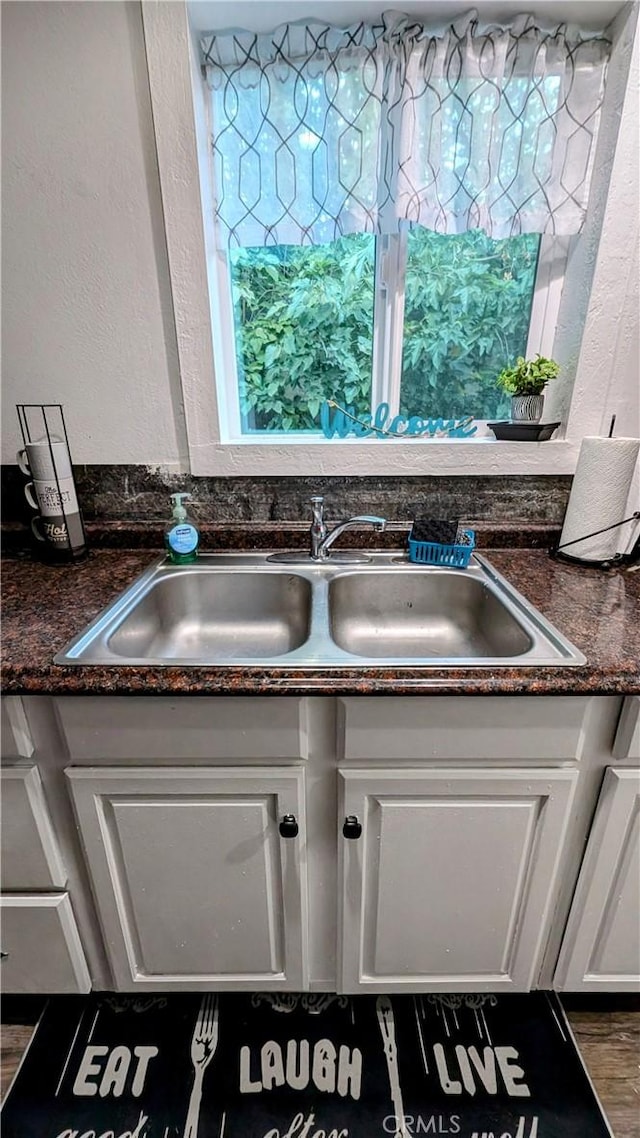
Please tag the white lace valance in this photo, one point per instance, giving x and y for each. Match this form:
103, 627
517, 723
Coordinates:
321, 131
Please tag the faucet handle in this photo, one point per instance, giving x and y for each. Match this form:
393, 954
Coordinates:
317, 506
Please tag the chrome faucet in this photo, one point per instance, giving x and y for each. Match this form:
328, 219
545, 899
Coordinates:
322, 539
318, 531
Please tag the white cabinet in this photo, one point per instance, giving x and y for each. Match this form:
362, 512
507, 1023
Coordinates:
14, 729
627, 741
450, 885
154, 823
30, 855
601, 948
443, 729
228, 729
195, 879
41, 949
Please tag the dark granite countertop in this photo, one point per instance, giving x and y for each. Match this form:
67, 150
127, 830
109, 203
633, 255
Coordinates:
45, 606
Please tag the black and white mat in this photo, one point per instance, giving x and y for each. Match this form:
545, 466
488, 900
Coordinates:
302, 1066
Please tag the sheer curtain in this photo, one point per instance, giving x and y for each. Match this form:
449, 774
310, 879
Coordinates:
321, 131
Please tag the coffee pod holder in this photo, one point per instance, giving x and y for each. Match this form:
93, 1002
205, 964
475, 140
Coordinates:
59, 529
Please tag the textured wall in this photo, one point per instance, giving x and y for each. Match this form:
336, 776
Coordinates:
597, 331
87, 308
87, 317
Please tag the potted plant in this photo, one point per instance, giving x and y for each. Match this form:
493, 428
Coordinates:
525, 382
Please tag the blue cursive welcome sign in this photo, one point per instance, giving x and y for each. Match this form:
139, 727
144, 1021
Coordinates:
345, 421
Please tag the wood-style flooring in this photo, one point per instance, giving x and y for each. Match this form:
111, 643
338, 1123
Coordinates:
607, 1030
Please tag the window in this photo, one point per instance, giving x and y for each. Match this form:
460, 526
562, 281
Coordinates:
440, 159
467, 311
306, 320
304, 331
220, 442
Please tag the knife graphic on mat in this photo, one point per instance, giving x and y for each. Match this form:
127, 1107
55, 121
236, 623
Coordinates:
387, 1026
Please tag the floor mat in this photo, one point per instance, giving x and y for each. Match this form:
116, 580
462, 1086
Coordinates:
302, 1066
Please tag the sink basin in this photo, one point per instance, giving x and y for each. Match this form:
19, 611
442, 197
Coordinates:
192, 615
241, 609
416, 615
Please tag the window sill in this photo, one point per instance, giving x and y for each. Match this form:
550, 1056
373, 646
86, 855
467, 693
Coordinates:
317, 456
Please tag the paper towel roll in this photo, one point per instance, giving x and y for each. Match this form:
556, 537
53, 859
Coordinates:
599, 497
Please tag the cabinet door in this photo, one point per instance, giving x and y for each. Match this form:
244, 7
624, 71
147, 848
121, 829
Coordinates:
601, 946
450, 885
193, 882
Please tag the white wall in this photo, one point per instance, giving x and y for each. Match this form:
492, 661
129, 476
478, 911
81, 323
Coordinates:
87, 307
87, 314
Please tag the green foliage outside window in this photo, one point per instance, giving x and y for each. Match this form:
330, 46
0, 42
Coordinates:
304, 330
304, 326
467, 312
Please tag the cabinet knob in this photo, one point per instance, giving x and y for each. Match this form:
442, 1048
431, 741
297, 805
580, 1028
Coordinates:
352, 827
4, 955
288, 826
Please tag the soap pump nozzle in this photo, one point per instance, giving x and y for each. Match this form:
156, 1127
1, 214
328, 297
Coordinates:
179, 511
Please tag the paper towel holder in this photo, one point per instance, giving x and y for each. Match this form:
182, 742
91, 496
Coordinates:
615, 562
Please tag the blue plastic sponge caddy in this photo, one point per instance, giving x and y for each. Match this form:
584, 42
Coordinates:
456, 555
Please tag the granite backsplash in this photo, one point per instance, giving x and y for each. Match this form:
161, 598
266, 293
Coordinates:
140, 493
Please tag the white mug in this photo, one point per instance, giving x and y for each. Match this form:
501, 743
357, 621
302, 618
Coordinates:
52, 492
52, 498
63, 534
43, 459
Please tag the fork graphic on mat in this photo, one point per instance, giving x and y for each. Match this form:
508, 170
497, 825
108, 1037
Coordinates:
203, 1048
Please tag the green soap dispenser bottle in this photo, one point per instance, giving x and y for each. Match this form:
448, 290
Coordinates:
181, 537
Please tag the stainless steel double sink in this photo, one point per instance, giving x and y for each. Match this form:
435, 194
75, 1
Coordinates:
242, 609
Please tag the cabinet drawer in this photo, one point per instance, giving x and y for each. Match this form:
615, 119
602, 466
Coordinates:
627, 741
42, 946
124, 728
30, 855
483, 728
16, 737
